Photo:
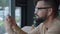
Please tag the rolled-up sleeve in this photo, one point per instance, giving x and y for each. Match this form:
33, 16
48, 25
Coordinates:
36, 30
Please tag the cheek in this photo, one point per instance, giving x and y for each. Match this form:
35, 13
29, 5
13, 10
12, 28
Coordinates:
42, 13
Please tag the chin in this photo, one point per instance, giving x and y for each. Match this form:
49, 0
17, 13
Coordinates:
40, 20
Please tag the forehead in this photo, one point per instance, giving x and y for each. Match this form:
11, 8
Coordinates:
42, 4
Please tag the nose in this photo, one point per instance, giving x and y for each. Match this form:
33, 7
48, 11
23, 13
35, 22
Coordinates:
35, 12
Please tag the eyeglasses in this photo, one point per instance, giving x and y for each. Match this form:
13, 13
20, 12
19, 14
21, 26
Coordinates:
36, 9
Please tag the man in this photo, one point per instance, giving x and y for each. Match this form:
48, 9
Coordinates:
46, 11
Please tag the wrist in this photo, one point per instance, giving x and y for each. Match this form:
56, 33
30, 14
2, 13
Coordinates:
16, 28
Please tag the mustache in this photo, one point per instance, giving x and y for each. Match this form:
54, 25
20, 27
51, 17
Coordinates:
36, 15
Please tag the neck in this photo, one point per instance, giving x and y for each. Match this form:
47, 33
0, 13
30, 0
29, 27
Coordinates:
49, 19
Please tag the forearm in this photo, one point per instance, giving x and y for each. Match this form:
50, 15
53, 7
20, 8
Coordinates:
18, 30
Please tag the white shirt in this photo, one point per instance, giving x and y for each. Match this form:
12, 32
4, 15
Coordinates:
54, 29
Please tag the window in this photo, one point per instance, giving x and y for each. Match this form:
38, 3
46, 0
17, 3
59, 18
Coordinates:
18, 16
4, 9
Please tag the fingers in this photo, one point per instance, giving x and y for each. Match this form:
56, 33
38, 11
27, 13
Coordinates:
10, 20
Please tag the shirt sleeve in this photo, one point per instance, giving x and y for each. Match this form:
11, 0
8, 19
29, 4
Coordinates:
36, 30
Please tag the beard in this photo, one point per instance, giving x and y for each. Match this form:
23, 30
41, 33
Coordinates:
39, 20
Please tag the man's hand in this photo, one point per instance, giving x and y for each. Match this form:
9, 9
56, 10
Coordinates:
10, 20
11, 25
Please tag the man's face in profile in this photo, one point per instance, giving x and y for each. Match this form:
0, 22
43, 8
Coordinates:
41, 11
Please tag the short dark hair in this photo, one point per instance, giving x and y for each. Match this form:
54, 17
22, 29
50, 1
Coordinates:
53, 3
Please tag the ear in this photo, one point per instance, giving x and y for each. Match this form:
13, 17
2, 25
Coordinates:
50, 11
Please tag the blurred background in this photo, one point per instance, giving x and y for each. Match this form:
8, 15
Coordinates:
21, 10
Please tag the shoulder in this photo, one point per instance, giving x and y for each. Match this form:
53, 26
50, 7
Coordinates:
55, 29
57, 22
